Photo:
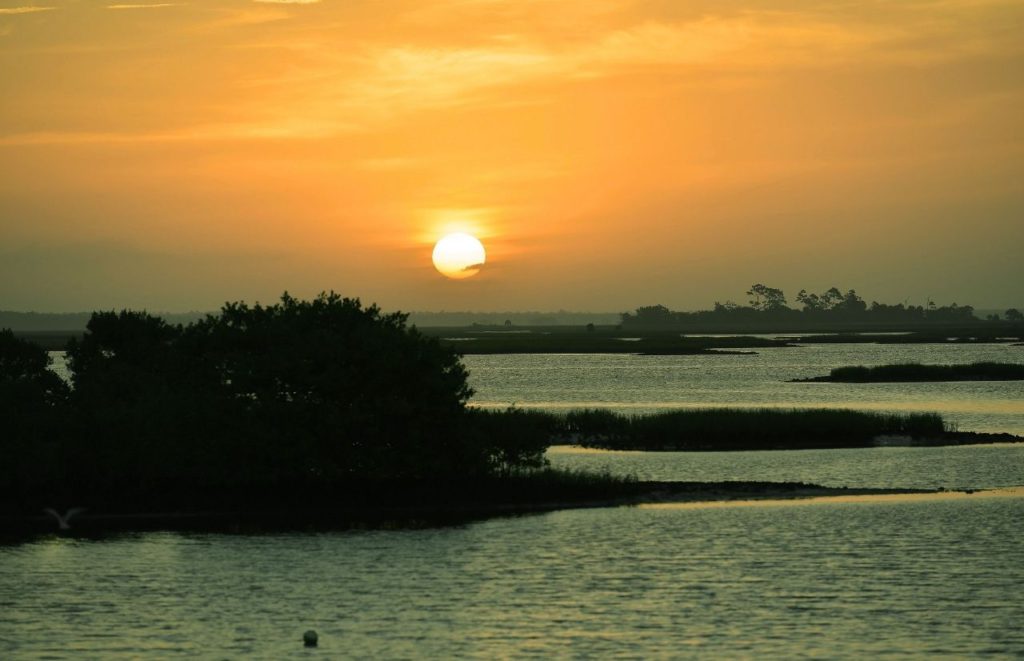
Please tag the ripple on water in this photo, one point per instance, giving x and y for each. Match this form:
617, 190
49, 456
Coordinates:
833, 579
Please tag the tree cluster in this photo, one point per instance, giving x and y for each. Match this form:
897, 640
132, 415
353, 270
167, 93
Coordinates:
300, 392
770, 304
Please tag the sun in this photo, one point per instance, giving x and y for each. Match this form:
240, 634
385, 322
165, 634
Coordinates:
459, 256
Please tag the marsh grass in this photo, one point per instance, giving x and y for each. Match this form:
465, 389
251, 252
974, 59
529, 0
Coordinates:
916, 372
745, 429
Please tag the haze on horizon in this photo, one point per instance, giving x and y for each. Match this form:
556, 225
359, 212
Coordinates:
174, 155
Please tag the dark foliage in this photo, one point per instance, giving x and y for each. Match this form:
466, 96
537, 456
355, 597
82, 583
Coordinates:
292, 396
768, 305
516, 438
33, 407
745, 429
909, 372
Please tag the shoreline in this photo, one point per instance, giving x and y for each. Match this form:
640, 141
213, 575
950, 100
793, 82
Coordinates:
949, 439
650, 493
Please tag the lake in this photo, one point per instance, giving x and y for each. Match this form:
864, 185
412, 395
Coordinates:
893, 577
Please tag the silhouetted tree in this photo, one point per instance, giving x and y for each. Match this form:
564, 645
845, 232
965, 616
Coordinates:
824, 302
832, 298
852, 304
769, 304
144, 408
1013, 314
301, 392
33, 402
649, 316
952, 312
811, 302
766, 299
728, 306
350, 390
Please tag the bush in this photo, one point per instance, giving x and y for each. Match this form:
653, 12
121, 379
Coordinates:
516, 439
338, 389
296, 395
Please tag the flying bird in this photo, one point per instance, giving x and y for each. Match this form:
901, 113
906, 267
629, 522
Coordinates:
62, 521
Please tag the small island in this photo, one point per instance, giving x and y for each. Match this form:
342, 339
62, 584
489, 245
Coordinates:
732, 429
916, 372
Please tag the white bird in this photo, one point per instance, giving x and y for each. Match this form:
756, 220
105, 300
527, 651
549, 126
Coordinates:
62, 521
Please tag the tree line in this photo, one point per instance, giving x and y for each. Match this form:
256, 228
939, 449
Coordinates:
770, 304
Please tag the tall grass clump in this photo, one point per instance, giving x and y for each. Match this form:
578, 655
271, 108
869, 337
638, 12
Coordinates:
746, 429
909, 372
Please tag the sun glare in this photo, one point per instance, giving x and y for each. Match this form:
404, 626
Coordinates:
459, 256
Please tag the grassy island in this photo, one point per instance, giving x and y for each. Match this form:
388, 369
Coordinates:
748, 429
916, 372
738, 429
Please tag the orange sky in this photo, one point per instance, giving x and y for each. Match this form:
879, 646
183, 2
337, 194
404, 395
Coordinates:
609, 154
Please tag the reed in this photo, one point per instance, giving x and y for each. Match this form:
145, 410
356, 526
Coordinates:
745, 429
916, 372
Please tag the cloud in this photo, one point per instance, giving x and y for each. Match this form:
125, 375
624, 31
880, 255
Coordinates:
288, 2
409, 77
24, 10
152, 6
297, 129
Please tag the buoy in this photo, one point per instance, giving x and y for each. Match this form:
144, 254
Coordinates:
309, 638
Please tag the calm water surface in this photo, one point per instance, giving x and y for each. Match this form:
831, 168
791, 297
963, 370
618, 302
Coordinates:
850, 580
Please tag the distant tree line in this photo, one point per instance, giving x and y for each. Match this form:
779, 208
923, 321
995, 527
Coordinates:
769, 304
258, 397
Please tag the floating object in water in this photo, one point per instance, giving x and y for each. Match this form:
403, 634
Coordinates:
309, 638
63, 522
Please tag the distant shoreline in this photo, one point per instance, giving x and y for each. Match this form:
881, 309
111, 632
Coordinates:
714, 340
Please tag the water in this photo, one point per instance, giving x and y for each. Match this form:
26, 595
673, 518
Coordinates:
962, 467
938, 577
929, 579
645, 384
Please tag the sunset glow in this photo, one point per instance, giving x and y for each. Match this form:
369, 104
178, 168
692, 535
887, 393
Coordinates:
176, 155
